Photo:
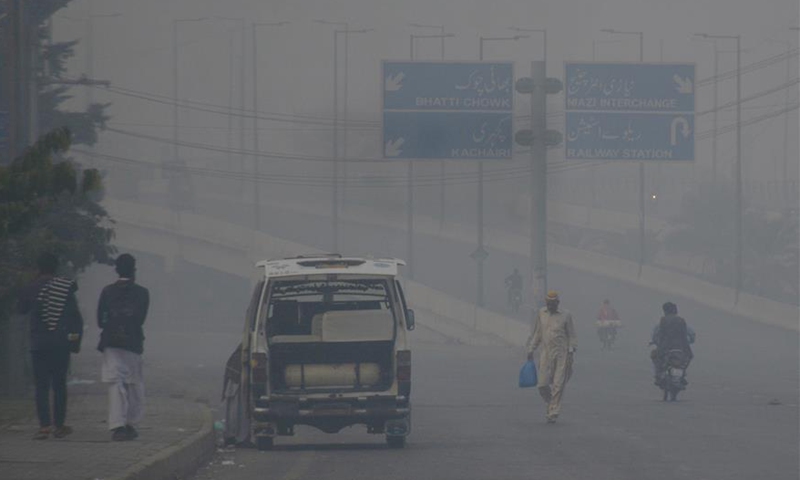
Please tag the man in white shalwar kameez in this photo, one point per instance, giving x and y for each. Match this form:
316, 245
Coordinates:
554, 331
121, 312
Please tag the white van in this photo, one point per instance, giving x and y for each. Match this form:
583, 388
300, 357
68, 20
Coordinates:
325, 345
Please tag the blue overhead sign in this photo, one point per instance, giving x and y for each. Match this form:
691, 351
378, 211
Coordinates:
629, 111
447, 135
441, 110
629, 136
448, 86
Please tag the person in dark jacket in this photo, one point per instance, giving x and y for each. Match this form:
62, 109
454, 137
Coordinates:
56, 327
672, 333
121, 312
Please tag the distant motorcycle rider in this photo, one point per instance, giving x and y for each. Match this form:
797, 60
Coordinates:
514, 285
672, 333
607, 324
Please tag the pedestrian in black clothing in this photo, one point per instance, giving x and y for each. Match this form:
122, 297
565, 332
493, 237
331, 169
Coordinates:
56, 328
121, 312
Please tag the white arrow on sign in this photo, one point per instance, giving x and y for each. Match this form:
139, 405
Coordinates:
392, 148
684, 84
394, 83
673, 130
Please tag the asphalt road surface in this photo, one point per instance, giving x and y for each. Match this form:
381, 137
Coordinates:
737, 420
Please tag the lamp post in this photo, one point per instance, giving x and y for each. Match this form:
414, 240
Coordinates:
782, 175
175, 23
335, 203
595, 43
335, 185
256, 158
441, 32
442, 162
738, 168
716, 80
593, 168
410, 175
242, 33
479, 297
641, 164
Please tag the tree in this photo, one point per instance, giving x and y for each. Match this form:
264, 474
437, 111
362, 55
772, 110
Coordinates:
84, 125
43, 207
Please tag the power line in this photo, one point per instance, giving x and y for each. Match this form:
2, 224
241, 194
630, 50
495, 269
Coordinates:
752, 97
749, 68
326, 121
750, 121
400, 180
325, 181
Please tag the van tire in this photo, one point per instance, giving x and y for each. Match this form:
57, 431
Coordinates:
395, 442
264, 443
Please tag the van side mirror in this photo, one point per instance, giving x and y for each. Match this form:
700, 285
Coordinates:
410, 319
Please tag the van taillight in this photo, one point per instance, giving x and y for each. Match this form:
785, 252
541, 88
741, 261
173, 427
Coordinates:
404, 372
258, 364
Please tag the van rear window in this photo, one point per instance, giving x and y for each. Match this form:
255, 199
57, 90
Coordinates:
296, 306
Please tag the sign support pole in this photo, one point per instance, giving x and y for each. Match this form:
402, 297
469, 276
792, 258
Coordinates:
538, 251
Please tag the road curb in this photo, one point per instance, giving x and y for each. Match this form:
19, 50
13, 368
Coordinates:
179, 460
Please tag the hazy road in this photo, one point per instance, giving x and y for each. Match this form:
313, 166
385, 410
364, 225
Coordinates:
470, 420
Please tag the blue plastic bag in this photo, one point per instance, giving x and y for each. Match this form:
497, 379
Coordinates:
527, 375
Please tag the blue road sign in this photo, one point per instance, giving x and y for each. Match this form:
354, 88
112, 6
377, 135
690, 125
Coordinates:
629, 136
629, 111
459, 110
449, 135
448, 86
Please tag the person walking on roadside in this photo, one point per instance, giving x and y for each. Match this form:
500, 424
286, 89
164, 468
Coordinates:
56, 328
121, 312
554, 331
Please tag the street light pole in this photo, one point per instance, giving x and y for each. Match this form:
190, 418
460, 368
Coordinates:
480, 250
335, 166
641, 164
256, 157
595, 43
175, 23
738, 169
410, 175
335, 189
442, 163
243, 35
714, 137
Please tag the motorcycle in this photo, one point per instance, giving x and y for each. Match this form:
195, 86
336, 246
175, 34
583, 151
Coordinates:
607, 331
673, 374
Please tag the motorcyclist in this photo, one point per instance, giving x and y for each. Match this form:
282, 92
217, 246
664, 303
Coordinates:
671, 333
514, 285
607, 323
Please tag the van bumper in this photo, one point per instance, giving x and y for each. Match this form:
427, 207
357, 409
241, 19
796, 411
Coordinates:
358, 409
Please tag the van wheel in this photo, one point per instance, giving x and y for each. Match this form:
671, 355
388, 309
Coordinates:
395, 442
264, 443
